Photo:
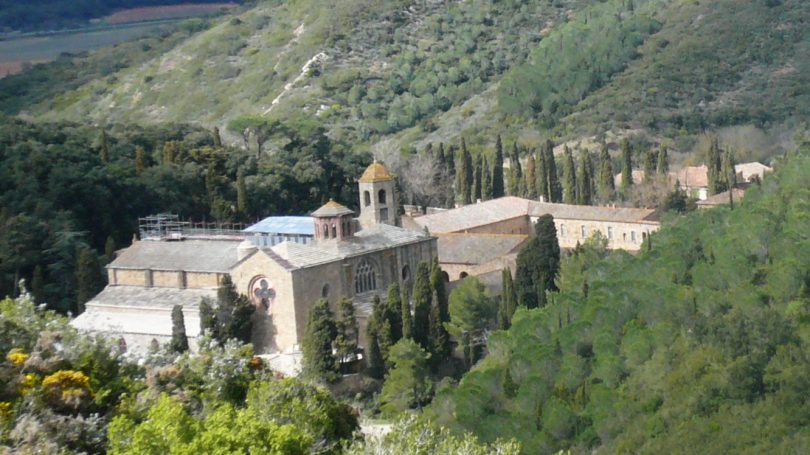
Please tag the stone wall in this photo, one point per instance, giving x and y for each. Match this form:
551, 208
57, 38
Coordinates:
625, 236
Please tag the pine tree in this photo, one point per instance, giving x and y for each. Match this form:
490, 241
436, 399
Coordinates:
477, 176
208, 318
88, 277
440, 347
627, 165
508, 302
346, 324
606, 186
104, 148
393, 312
497, 170
486, 185
584, 180
531, 177
554, 187
649, 166
542, 175
569, 178
241, 195
538, 264
179, 342
662, 166
109, 250
140, 160
316, 346
422, 295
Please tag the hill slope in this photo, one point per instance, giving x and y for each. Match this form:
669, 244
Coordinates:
398, 72
700, 342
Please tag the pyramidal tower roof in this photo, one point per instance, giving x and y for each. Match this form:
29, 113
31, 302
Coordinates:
376, 172
332, 208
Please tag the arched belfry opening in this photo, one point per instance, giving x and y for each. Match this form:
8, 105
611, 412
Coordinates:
379, 204
333, 221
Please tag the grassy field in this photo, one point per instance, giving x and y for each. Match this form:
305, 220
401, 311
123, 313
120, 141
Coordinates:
151, 13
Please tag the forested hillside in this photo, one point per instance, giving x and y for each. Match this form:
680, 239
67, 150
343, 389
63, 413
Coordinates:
402, 73
698, 344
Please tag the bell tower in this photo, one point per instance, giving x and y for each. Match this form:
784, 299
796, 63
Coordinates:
378, 198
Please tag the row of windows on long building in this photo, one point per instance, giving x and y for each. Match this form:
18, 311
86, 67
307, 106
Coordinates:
583, 233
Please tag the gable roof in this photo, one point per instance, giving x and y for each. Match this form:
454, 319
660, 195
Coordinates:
187, 255
593, 213
749, 170
476, 248
474, 215
692, 176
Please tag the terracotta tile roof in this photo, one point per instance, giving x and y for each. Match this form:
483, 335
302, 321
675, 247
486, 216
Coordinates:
376, 172
476, 248
692, 176
721, 198
593, 213
188, 255
332, 208
474, 215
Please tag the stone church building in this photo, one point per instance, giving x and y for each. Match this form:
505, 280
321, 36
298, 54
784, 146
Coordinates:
348, 257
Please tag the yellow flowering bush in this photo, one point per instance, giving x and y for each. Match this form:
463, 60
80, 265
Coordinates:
28, 382
67, 387
5, 412
17, 356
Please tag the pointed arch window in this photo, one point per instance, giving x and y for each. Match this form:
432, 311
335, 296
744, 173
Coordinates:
365, 278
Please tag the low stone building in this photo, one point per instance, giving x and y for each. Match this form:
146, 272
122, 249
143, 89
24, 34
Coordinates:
481, 238
342, 257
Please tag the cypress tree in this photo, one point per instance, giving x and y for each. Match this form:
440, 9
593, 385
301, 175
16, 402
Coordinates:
346, 325
554, 187
140, 160
497, 170
407, 325
510, 388
422, 295
208, 318
438, 285
713, 163
486, 185
376, 364
627, 165
451, 161
538, 264
109, 249
477, 176
241, 322
531, 177
542, 175
38, 285
216, 137
171, 150
440, 347
728, 169
179, 342
508, 302
88, 277
569, 178
649, 166
392, 312
606, 186
464, 176
241, 195
233, 313
104, 148
584, 180
662, 166
316, 346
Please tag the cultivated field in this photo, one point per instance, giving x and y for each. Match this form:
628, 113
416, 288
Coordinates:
152, 13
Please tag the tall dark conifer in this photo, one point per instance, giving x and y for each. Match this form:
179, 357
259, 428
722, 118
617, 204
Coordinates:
422, 295
497, 170
440, 347
649, 165
508, 302
606, 186
346, 324
88, 277
486, 184
179, 342
662, 165
318, 360
478, 175
241, 195
407, 316
393, 311
569, 178
627, 165
531, 177
437, 283
542, 175
554, 187
714, 164
538, 264
584, 180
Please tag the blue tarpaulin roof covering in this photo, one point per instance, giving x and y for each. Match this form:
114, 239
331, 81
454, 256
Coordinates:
301, 225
